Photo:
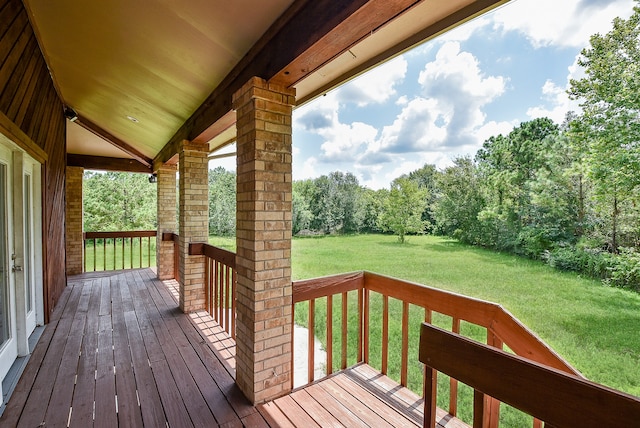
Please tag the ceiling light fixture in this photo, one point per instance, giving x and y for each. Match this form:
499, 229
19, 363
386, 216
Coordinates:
133, 119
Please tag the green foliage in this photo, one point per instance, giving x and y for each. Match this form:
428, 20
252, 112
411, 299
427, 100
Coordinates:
116, 201
608, 130
222, 202
403, 208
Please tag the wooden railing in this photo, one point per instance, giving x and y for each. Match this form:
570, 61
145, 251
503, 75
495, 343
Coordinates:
558, 398
118, 250
356, 292
220, 284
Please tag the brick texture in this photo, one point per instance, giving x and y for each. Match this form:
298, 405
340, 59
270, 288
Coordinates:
73, 225
193, 222
263, 240
166, 220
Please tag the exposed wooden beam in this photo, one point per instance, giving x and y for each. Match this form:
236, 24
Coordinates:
309, 32
125, 147
107, 164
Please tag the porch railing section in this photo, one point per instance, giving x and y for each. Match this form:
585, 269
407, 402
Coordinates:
220, 284
533, 388
118, 250
359, 294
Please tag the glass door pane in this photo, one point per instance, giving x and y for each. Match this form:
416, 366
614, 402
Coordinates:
4, 260
27, 243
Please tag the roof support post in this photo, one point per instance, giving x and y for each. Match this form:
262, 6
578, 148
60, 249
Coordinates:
73, 224
193, 220
263, 240
166, 204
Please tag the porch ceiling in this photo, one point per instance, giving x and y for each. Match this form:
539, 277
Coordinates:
145, 75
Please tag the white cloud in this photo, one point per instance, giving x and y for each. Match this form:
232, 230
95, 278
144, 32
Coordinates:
448, 116
566, 23
375, 86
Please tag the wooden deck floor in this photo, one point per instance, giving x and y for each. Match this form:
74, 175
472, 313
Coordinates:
118, 352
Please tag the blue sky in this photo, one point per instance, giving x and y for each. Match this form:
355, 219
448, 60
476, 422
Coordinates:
444, 98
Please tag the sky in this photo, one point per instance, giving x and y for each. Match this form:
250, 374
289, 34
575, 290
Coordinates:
444, 98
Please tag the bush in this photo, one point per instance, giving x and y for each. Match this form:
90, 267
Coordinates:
591, 262
625, 271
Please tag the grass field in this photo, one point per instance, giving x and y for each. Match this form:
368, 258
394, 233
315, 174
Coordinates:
594, 327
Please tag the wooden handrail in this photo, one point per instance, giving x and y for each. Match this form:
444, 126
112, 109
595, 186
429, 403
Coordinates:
120, 234
559, 398
123, 237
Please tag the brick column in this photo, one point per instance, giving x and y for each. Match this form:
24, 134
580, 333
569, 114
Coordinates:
263, 240
193, 222
73, 223
166, 201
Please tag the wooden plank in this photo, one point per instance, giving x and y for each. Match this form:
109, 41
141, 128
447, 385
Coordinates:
296, 414
62, 389
172, 403
274, 416
349, 401
546, 393
166, 331
150, 402
318, 413
34, 410
129, 413
254, 420
374, 403
105, 396
184, 337
325, 286
333, 405
83, 396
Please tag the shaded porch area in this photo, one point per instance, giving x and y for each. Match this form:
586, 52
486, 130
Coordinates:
119, 352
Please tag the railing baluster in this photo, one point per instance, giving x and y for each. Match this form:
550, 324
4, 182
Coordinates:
329, 334
492, 406
140, 245
361, 321
365, 328
453, 383
343, 364
216, 288
123, 239
385, 334
94, 257
227, 301
405, 344
311, 339
233, 303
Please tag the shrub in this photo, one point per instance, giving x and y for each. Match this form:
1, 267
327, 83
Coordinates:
591, 262
625, 270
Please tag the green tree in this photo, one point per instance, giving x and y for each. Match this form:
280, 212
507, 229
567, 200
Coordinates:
402, 213
459, 201
116, 201
609, 126
222, 202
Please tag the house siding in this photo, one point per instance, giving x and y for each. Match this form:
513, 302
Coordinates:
28, 99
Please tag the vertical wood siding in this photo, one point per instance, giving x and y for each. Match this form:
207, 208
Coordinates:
28, 98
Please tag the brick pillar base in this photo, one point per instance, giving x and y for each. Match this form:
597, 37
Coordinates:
263, 238
166, 202
73, 222
193, 222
